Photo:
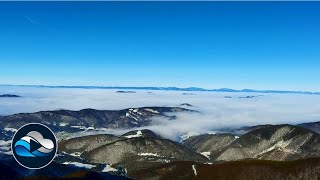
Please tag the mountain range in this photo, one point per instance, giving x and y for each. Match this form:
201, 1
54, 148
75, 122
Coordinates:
174, 89
276, 151
88, 119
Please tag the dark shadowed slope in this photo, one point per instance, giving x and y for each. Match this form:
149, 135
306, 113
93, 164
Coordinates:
307, 169
315, 126
10, 169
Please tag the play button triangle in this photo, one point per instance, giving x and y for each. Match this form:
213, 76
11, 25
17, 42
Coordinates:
34, 145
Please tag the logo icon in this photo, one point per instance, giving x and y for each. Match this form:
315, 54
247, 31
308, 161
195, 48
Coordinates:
34, 146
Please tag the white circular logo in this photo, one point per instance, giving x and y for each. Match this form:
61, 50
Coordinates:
34, 146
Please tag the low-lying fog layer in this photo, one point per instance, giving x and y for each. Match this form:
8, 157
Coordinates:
218, 110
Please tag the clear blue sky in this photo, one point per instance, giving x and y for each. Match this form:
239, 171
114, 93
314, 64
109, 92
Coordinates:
212, 44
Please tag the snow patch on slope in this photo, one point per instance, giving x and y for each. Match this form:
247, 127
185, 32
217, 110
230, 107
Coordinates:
83, 128
139, 134
194, 170
206, 154
108, 168
63, 124
281, 145
82, 165
10, 129
5, 147
188, 135
151, 110
149, 154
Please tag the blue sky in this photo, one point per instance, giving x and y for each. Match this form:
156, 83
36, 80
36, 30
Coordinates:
268, 45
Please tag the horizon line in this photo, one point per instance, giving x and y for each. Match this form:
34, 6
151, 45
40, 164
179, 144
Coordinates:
168, 88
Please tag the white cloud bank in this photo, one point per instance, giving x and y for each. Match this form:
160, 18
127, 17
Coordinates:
216, 111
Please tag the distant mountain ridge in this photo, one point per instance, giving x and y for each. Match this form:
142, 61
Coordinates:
87, 119
173, 89
9, 95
